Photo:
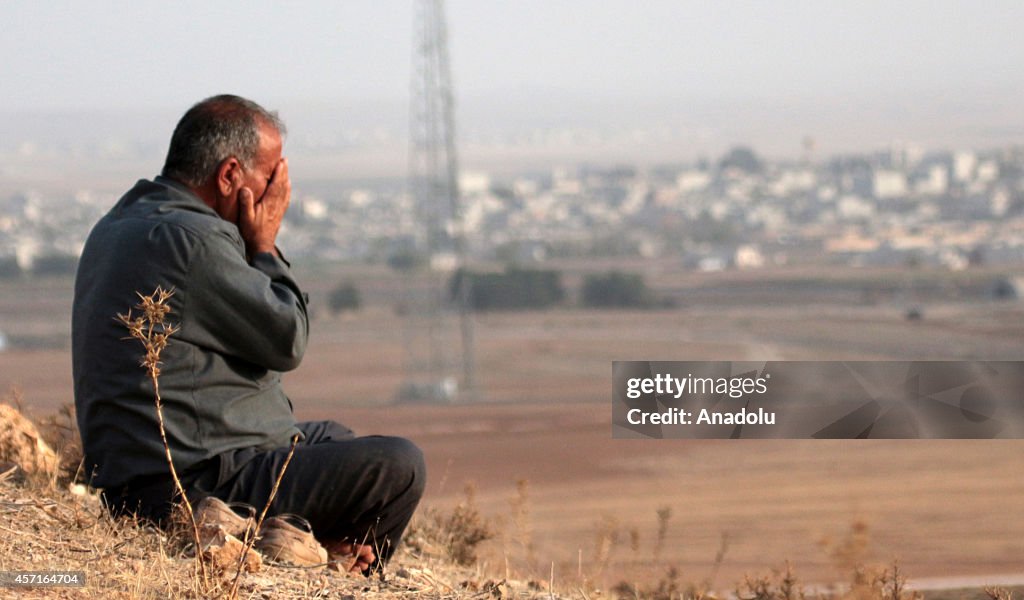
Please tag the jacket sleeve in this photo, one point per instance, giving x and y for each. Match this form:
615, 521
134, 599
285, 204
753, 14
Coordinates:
255, 312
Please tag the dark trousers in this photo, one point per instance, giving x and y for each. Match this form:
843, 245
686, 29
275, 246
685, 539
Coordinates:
358, 489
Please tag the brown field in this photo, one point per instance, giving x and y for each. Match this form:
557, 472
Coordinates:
943, 508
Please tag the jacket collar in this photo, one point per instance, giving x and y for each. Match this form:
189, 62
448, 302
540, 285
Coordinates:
180, 196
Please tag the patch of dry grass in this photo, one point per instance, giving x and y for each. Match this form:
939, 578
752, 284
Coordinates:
454, 534
45, 527
50, 522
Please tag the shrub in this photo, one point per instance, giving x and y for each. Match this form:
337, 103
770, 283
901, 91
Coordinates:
616, 289
516, 288
456, 533
344, 297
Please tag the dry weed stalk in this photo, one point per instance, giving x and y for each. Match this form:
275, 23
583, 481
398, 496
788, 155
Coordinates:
251, 536
153, 331
466, 529
998, 593
634, 540
455, 534
664, 514
780, 585
868, 581
521, 520
892, 585
851, 551
60, 432
607, 539
667, 587
723, 547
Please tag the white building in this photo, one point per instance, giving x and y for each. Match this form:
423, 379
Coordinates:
474, 182
889, 184
852, 207
964, 164
935, 182
693, 181
748, 256
987, 171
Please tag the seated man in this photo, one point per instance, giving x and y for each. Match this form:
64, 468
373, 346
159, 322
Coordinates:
206, 228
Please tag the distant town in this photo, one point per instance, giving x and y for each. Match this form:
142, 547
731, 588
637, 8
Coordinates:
903, 206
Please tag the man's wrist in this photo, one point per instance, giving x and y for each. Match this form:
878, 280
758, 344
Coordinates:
264, 249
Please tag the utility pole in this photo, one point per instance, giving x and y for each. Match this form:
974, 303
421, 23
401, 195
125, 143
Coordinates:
433, 184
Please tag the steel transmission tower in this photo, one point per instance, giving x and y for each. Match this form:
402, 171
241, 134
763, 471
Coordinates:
436, 312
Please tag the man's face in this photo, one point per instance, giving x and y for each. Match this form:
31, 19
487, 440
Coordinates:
269, 154
255, 178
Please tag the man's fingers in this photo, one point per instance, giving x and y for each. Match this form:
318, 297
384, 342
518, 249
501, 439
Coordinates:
280, 173
278, 190
247, 202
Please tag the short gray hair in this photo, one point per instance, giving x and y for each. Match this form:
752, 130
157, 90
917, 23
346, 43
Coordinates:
213, 130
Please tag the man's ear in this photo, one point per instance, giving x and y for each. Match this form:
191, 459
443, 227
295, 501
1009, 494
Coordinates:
229, 177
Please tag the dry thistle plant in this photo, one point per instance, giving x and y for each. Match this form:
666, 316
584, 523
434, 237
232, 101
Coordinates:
153, 330
251, 536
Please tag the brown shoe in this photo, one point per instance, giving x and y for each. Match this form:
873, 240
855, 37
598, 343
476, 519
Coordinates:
289, 539
212, 512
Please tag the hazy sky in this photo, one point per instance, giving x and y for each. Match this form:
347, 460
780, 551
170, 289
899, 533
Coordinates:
806, 65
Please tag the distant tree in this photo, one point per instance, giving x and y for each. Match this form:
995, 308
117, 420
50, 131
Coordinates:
9, 268
55, 264
508, 252
406, 260
616, 289
707, 229
344, 297
515, 289
613, 245
741, 158
507, 194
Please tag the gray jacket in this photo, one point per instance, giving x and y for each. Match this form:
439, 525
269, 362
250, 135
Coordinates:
241, 325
